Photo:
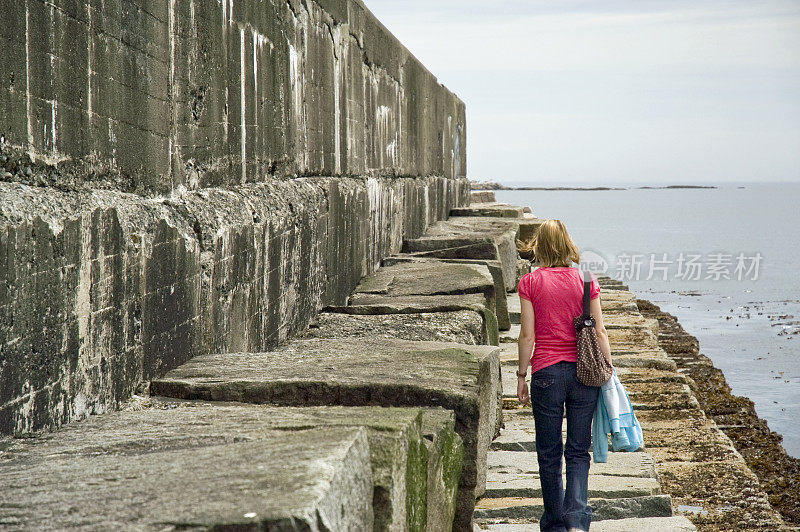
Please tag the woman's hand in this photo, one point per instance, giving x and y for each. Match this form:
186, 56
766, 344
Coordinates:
522, 392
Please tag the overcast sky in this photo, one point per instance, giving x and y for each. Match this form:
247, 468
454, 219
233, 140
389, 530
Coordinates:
588, 91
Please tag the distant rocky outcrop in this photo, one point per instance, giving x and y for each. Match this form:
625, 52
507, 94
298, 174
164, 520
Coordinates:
493, 185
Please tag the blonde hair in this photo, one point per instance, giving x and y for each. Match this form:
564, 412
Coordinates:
551, 246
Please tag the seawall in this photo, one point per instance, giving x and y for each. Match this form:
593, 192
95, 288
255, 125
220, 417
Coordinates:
102, 290
149, 96
196, 176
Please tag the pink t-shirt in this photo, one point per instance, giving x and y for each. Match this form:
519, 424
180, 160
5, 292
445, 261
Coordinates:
557, 297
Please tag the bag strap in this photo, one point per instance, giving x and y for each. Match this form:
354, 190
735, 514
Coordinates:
587, 286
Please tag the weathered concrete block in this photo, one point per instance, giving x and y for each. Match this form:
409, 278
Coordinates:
430, 278
612, 297
374, 304
633, 336
445, 463
398, 451
512, 335
527, 227
676, 523
524, 227
460, 326
514, 308
492, 210
495, 268
600, 486
509, 354
629, 320
415, 454
621, 508
482, 196
621, 464
518, 435
612, 284
188, 467
383, 372
647, 359
456, 240
523, 267
614, 308
648, 375
612, 292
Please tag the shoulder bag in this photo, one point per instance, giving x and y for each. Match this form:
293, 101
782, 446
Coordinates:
593, 367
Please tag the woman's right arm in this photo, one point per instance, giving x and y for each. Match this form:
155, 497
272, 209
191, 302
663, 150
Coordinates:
525, 348
602, 334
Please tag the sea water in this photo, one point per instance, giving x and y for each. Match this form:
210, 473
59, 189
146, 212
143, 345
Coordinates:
724, 261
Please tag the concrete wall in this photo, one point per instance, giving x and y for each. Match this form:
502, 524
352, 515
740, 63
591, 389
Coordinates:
148, 95
157, 189
100, 290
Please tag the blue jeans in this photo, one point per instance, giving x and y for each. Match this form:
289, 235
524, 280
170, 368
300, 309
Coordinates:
551, 388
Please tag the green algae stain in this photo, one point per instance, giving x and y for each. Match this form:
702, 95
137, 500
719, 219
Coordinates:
492, 330
417, 485
452, 466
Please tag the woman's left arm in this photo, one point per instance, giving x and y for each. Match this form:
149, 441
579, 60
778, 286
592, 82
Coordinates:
602, 335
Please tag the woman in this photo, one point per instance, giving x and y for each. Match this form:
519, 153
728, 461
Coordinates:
551, 296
